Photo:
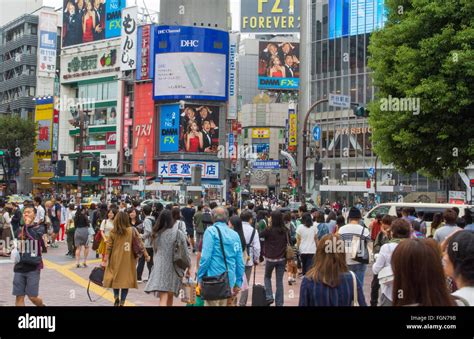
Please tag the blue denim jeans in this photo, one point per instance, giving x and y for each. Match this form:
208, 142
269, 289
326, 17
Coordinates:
280, 271
359, 270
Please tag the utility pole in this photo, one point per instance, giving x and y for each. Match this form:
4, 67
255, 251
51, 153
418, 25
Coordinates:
81, 153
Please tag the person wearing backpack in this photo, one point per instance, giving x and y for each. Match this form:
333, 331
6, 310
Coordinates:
148, 224
28, 261
253, 250
166, 278
306, 237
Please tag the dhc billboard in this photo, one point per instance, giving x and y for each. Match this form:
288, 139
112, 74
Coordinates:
191, 63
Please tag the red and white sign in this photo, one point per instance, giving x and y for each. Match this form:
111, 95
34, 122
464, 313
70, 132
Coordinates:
144, 129
111, 138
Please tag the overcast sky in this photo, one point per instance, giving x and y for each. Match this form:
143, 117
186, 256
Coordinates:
155, 5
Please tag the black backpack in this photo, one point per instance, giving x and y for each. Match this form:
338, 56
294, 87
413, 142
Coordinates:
206, 220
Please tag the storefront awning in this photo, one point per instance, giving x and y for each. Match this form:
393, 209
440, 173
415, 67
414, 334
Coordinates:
73, 180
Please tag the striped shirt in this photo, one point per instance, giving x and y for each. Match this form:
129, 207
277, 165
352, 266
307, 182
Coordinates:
318, 294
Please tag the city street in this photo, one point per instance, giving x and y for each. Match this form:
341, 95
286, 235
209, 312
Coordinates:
62, 284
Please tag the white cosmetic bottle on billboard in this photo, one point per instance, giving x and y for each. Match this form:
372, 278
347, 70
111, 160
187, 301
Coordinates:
192, 73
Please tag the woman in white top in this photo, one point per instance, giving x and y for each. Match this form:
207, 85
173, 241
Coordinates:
458, 262
306, 234
399, 230
7, 229
105, 228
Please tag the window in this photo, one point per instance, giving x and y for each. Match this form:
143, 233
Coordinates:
383, 210
33, 29
31, 91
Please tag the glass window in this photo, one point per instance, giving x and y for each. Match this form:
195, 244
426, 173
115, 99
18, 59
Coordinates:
113, 88
31, 91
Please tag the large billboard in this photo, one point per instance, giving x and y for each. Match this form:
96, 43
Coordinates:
353, 17
169, 128
87, 21
199, 129
270, 16
191, 63
279, 65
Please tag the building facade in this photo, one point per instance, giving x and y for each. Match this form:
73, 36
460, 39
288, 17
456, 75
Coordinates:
335, 38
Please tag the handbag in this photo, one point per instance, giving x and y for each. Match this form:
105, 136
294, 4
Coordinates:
181, 257
355, 249
355, 302
97, 240
217, 287
138, 247
290, 252
96, 277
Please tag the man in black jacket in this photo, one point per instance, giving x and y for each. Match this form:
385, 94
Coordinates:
72, 26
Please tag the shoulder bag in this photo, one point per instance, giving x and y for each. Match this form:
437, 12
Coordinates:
356, 249
217, 287
290, 252
138, 247
96, 277
181, 257
355, 302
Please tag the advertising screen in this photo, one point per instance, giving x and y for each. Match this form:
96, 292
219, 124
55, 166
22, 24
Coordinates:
87, 21
199, 129
270, 16
279, 65
353, 17
191, 63
169, 128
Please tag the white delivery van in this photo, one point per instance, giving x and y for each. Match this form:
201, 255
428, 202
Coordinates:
395, 209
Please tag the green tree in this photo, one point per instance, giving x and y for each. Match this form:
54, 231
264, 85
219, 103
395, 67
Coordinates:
425, 52
17, 132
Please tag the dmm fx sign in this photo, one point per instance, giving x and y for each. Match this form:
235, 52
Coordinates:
182, 169
270, 16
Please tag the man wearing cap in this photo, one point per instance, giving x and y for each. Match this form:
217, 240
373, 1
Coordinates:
350, 232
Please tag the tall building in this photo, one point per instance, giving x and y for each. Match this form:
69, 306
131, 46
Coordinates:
28, 69
335, 36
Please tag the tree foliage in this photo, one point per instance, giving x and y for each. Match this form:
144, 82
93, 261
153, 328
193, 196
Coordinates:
17, 132
425, 52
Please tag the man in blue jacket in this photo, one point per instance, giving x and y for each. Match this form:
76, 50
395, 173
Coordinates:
212, 259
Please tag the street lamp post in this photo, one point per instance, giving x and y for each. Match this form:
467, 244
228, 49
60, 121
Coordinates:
305, 144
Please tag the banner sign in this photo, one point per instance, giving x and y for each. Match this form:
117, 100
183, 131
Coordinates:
48, 33
111, 138
279, 65
266, 165
43, 146
270, 16
293, 130
129, 39
233, 87
182, 169
169, 128
89, 65
144, 53
191, 63
261, 133
108, 161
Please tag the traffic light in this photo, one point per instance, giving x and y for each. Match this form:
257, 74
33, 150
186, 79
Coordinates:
95, 168
3, 153
369, 184
361, 112
61, 168
318, 171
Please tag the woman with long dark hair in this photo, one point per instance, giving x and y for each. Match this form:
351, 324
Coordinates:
81, 235
419, 278
329, 282
276, 239
166, 279
437, 223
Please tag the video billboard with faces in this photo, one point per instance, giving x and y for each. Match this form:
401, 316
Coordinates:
279, 65
199, 129
87, 21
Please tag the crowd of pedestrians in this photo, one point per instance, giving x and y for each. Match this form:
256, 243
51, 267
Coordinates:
414, 262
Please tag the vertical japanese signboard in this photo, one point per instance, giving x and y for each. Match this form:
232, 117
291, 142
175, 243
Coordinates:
48, 34
144, 53
43, 145
128, 60
233, 88
293, 130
